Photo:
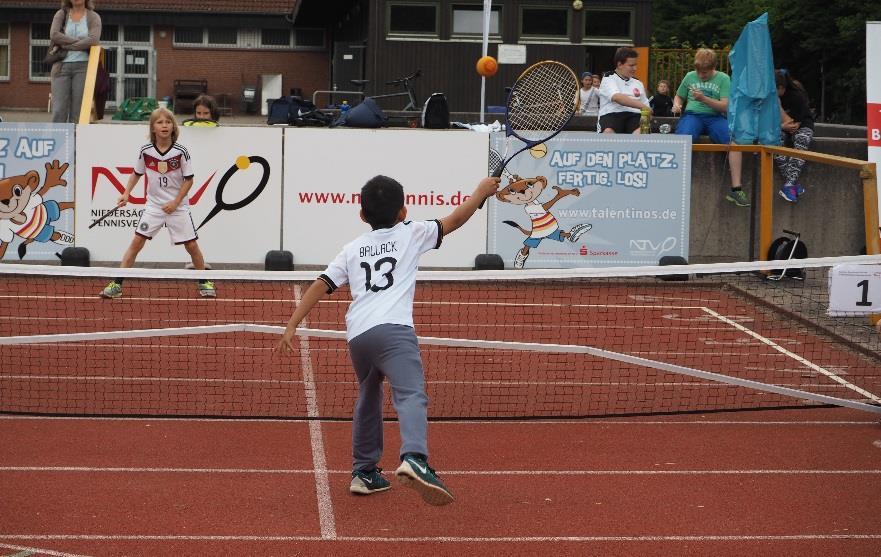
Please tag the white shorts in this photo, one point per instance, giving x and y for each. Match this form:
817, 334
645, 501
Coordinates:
179, 223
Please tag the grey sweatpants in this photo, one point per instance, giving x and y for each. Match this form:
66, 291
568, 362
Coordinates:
388, 351
67, 92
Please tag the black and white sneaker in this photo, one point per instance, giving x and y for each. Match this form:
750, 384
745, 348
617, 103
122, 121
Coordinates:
416, 473
367, 482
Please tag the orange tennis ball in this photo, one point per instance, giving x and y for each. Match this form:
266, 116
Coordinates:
487, 66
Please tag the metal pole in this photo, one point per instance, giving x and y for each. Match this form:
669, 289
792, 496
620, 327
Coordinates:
487, 14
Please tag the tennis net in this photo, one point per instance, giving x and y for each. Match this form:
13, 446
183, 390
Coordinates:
495, 344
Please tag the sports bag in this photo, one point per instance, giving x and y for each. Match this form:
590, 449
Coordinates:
366, 114
436, 112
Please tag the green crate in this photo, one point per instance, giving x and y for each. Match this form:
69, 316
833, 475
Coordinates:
136, 109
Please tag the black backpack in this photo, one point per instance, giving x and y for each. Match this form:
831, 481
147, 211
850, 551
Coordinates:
436, 112
366, 114
296, 111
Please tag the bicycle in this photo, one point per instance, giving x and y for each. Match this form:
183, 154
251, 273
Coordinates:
405, 82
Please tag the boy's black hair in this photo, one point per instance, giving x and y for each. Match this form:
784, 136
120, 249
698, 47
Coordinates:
381, 200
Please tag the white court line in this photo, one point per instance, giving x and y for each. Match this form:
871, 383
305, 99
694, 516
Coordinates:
530, 472
319, 460
793, 355
32, 550
444, 539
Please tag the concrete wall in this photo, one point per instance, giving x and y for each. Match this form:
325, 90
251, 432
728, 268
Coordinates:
829, 215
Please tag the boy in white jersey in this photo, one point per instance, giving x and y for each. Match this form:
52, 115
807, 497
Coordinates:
622, 96
380, 268
169, 179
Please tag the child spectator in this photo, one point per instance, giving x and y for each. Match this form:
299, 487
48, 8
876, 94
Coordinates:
590, 97
622, 96
205, 112
661, 103
706, 91
796, 130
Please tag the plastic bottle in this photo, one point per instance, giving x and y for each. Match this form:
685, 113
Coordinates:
344, 107
645, 121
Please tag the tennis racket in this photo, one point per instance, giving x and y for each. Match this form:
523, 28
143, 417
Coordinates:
104, 216
542, 101
495, 159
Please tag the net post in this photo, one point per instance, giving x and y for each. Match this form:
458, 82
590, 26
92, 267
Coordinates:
869, 176
89, 86
766, 218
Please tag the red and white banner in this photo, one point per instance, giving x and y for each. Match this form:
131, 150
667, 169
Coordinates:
873, 93
234, 200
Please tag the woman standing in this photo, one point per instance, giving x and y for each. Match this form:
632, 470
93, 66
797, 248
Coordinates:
76, 27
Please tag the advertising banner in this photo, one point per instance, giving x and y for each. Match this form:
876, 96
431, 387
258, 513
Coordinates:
234, 200
36, 190
873, 93
593, 200
325, 169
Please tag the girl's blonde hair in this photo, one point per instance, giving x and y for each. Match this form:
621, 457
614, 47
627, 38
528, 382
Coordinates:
704, 59
159, 113
68, 5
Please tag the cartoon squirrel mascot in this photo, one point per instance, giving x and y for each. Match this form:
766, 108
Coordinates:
25, 214
526, 191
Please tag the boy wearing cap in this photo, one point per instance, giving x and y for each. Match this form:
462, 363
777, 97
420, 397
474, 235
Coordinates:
590, 97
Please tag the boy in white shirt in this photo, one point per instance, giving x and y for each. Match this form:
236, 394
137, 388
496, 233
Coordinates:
622, 96
380, 268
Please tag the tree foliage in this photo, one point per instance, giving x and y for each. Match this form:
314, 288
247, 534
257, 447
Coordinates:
822, 43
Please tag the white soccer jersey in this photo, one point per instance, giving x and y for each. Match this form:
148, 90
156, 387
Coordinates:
380, 268
613, 84
166, 172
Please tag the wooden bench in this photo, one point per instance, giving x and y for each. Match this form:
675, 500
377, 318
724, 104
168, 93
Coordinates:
185, 92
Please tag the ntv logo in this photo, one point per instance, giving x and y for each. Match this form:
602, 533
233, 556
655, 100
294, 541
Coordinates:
649, 247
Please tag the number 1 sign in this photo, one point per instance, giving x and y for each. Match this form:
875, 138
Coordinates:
854, 289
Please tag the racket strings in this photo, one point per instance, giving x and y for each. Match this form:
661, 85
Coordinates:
545, 97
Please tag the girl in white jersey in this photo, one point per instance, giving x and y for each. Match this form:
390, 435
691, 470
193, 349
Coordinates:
169, 178
380, 269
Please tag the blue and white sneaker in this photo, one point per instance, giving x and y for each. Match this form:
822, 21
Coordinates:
365, 482
416, 473
789, 192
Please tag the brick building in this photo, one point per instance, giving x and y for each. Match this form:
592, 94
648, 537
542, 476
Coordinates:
320, 44
230, 44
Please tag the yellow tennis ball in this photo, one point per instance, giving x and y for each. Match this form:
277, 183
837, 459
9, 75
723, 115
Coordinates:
487, 66
539, 151
243, 162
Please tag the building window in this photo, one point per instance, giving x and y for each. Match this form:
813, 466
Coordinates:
468, 22
39, 48
4, 51
188, 36
222, 36
544, 23
608, 25
411, 20
137, 34
230, 37
275, 37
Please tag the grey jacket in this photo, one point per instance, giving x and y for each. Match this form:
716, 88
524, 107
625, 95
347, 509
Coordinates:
57, 36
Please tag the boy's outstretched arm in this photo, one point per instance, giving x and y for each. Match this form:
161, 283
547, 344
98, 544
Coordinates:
316, 291
487, 187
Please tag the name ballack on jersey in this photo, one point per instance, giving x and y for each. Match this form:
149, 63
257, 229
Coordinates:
378, 249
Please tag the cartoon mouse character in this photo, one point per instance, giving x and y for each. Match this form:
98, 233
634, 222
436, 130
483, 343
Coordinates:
525, 191
23, 212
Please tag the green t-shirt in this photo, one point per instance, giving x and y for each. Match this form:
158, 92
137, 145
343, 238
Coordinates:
717, 88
